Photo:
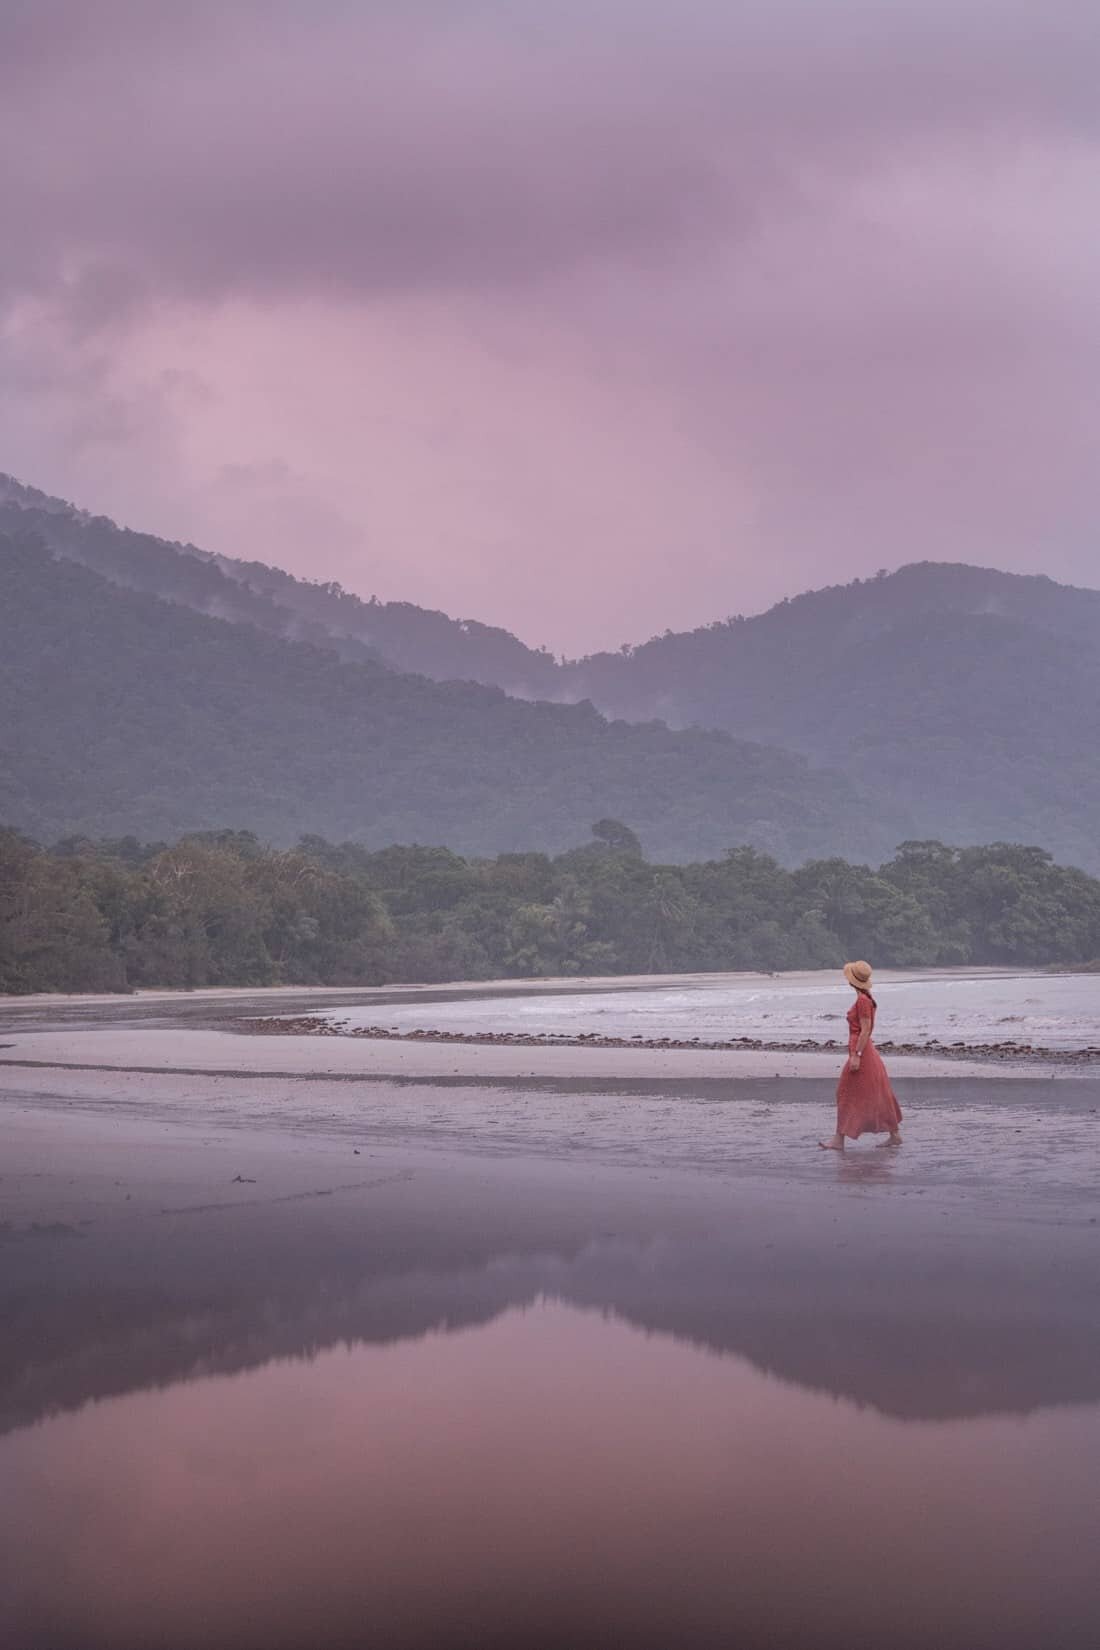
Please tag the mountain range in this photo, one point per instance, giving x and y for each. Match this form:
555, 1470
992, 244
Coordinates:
122, 713
941, 700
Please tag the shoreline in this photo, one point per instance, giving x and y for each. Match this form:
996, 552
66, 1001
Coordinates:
323, 1020
537, 983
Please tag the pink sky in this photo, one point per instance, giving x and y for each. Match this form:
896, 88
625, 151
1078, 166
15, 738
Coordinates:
586, 320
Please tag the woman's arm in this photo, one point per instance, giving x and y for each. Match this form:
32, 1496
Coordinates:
865, 1017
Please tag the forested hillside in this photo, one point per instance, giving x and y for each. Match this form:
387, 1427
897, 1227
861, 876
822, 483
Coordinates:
971, 698
123, 713
221, 909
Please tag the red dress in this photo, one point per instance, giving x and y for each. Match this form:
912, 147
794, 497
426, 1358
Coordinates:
865, 1102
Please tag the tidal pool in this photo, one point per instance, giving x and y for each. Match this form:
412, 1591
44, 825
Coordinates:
553, 1476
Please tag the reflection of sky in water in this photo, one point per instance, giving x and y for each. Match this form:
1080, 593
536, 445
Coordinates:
1057, 1011
553, 1477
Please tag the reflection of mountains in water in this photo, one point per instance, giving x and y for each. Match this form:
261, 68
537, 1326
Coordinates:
92, 1325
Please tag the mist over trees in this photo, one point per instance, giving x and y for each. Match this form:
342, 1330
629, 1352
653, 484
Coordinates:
221, 908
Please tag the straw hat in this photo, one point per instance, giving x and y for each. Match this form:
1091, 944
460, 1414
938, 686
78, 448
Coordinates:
858, 974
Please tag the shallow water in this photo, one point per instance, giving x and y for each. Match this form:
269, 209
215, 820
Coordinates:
1047, 1011
556, 1476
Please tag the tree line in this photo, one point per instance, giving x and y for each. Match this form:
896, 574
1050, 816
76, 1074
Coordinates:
222, 908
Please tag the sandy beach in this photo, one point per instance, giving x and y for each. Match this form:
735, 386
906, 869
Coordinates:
118, 1112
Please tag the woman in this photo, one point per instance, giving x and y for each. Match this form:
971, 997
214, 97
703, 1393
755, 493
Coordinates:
865, 1102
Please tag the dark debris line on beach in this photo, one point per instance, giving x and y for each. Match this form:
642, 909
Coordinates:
308, 1026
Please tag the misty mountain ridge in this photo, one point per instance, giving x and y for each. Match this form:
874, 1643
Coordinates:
405, 636
961, 701
124, 713
431, 643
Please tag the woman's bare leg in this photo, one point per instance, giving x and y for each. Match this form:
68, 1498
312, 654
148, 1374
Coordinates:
894, 1140
836, 1144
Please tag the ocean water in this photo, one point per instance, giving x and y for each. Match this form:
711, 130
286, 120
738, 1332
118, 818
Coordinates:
1044, 1010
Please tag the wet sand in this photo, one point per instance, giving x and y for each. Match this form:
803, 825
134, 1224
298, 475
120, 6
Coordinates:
562, 1297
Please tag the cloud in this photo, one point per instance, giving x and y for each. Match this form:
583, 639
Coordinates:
208, 151
739, 296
